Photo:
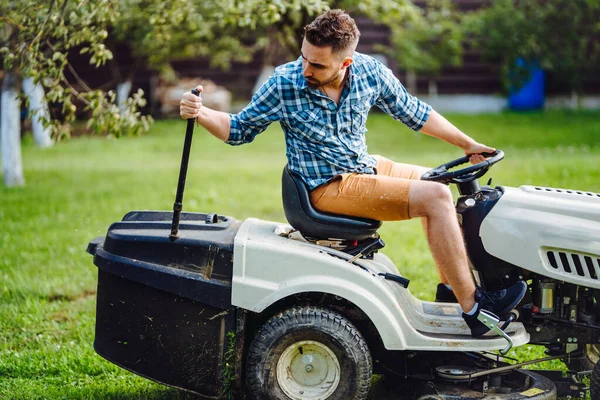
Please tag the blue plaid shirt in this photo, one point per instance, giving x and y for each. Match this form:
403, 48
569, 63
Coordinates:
324, 139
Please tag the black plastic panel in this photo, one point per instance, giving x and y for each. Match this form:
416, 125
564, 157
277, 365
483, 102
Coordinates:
496, 274
161, 336
197, 266
201, 247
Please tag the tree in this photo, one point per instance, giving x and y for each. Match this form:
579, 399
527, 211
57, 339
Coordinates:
506, 31
570, 47
12, 169
35, 41
426, 42
538, 32
159, 32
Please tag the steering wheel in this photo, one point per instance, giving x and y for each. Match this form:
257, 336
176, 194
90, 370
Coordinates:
468, 174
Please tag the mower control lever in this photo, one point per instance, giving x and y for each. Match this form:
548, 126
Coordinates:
396, 278
366, 250
491, 321
178, 205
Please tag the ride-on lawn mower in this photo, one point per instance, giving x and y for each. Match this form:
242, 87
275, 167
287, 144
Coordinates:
259, 309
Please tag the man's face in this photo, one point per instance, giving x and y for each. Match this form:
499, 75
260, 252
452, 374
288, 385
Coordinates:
320, 66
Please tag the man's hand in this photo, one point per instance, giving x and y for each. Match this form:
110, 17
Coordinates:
475, 150
190, 104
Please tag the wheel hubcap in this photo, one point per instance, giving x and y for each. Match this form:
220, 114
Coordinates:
308, 370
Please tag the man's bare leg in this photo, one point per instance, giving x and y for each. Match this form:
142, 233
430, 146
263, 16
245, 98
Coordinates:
443, 278
433, 201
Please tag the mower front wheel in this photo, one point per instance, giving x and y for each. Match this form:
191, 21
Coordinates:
309, 353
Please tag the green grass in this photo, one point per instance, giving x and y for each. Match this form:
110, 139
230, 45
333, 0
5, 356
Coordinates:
76, 189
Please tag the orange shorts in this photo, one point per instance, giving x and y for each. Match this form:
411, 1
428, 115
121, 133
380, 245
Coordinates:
383, 196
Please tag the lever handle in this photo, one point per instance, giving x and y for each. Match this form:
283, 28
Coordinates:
491, 321
178, 205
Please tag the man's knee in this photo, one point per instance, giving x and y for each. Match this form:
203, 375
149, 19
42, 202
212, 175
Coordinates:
441, 192
430, 198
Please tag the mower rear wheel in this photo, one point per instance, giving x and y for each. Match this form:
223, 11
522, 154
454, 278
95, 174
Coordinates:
308, 353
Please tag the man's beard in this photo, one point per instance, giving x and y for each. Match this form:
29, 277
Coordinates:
315, 83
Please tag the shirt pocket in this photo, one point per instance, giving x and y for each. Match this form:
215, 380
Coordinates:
309, 123
359, 114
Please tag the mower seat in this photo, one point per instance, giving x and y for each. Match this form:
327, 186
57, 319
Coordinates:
315, 224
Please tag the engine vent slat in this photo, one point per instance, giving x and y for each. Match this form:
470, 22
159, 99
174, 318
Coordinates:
578, 266
574, 263
566, 191
565, 262
552, 260
590, 265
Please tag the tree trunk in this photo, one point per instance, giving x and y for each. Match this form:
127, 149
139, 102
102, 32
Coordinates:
38, 110
265, 73
10, 132
123, 89
575, 100
411, 82
433, 90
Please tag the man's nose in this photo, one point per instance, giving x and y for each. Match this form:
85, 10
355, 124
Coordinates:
306, 71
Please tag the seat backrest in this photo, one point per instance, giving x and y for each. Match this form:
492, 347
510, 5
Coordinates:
316, 224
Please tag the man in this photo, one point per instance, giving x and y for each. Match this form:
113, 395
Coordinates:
321, 101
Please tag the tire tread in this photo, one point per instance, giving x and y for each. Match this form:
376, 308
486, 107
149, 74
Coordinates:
305, 317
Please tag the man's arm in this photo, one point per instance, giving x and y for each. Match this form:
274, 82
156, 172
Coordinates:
216, 122
417, 115
240, 128
439, 127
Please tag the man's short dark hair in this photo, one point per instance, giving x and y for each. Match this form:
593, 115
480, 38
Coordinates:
334, 28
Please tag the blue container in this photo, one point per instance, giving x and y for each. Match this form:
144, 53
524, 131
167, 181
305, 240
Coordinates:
532, 95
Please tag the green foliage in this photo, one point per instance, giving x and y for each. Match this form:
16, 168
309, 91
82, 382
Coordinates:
571, 39
385, 12
559, 35
427, 40
228, 368
36, 39
159, 32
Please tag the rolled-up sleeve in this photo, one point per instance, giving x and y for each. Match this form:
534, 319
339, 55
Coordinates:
397, 102
264, 108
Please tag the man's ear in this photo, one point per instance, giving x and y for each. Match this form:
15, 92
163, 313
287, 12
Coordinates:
347, 61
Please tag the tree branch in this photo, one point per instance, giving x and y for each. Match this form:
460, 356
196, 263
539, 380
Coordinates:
80, 81
74, 91
10, 21
78, 78
36, 38
64, 7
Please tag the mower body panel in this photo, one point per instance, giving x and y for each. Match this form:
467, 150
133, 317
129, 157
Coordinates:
552, 232
269, 267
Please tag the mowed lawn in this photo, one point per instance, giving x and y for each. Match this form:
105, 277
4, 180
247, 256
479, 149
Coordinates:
76, 189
